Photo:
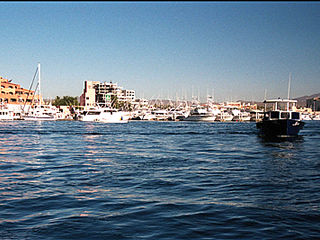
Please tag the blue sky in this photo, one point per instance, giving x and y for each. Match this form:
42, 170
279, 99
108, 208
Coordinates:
165, 49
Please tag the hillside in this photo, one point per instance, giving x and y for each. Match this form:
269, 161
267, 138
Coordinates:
302, 100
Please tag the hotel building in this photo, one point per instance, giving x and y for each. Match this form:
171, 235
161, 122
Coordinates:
14, 94
97, 92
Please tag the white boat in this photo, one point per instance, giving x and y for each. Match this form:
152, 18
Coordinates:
241, 116
148, 116
103, 114
178, 114
200, 114
225, 116
40, 112
6, 114
316, 117
305, 116
161, 115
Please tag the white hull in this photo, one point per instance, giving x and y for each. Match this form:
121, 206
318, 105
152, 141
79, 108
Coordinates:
41, 113
317, 118
115, 121
38, 118
116, 117
225, 118
6, 118
6, 115
104, 115
241, 118
200, 118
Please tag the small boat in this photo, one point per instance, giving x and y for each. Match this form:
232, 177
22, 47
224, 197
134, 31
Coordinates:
279, 122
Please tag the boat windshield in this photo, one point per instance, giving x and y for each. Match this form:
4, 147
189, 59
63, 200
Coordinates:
93, 113
295, 115
285, 115
110, 110
282, 115
274, 114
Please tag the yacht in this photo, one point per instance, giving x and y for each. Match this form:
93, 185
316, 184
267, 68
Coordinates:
161, 115
306, 116
41, 113
6, 114
316, 117
241, 116
103, 114
200, 114
280, 122
225, 116
178, 114
148, 116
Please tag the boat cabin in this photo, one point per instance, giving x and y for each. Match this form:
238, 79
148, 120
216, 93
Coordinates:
272, 115
281, 109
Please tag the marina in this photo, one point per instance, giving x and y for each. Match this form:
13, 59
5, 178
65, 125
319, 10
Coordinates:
110, 103
159, 121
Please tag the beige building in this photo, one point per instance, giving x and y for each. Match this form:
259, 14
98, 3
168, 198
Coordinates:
97, 92
88, 98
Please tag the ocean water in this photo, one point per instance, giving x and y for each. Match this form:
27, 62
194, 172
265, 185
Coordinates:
157, 180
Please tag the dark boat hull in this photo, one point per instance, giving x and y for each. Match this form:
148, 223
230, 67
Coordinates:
280, 127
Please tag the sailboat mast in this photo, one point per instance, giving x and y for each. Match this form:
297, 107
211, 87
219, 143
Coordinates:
39, 83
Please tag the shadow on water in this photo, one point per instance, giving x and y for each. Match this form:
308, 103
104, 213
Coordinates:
268, 139
286, 144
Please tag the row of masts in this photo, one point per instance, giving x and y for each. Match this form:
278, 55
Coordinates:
194, 98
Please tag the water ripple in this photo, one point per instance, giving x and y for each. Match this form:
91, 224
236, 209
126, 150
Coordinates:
156, 180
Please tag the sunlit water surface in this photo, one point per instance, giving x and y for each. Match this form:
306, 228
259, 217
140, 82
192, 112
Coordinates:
157, 180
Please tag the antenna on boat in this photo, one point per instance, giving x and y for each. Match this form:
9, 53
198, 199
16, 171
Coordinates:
212, 95
265, 99
288, 104
289, 86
